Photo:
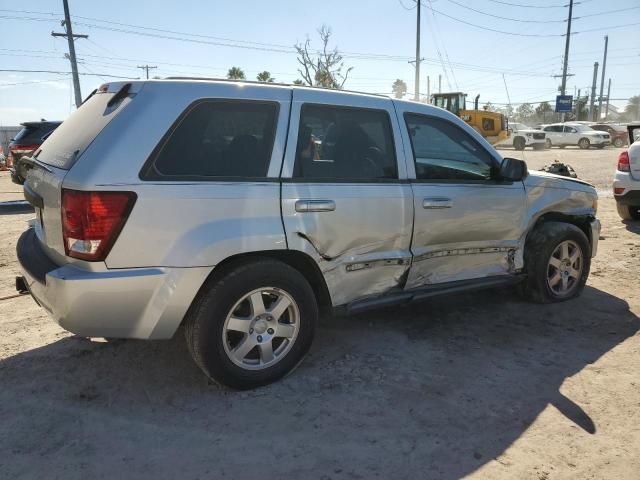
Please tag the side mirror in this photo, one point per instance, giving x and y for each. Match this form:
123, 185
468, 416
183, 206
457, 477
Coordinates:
513, 169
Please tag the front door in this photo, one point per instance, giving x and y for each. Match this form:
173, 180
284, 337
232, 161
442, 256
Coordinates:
467, 223
345, 200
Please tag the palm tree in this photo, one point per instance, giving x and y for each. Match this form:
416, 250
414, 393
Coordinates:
399, 88
235, 73
265, 77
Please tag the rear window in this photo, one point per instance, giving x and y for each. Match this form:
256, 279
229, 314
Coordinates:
63, 147
32, 134
217, 139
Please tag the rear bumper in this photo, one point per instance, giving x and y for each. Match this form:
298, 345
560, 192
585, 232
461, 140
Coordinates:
629, 197
146, 303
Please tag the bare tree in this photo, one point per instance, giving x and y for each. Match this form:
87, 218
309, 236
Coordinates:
323, 68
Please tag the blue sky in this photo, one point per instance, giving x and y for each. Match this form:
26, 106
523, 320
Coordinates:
261, 34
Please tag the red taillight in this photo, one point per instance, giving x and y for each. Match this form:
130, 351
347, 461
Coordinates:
91, 221
618, 190
623, 161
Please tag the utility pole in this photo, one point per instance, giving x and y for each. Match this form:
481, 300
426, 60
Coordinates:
604, 67
593, 92
606, 112
72, 51
428, 89
505, 87
417, 89
146, 68
565, 64
578, 106
440, 83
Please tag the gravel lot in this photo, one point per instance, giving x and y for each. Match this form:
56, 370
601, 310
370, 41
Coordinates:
481, 385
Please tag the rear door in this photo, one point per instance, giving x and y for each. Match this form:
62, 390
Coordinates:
634, 151
345, 199
571, 135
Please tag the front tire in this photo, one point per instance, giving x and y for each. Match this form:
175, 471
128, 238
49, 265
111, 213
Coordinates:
557, 260
628, 212
547, 143
253, 325
618, 143
584, 143
519, 143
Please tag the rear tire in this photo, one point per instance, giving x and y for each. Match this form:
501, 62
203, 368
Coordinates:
519, 143
547, 143
628, 212
253, 325
557, 259
618, 143
584, 143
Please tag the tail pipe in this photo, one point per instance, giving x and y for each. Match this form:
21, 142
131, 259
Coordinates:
476, 101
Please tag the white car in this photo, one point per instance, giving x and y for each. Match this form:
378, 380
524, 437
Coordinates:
626, 183
524, 136
564, 134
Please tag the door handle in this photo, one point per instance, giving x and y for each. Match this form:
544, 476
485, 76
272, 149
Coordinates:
436, 203
315, 206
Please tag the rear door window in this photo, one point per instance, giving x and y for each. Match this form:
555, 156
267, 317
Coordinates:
345, 143
217, 139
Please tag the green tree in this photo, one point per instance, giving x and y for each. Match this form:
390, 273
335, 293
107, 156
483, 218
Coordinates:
235, 73
322, 68
633, 108
399, 88
265, 77
542, 110
524, 112
297, 81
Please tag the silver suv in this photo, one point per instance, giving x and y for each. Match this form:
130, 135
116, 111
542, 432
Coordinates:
244, 210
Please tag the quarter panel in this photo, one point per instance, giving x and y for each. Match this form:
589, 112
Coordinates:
200, 224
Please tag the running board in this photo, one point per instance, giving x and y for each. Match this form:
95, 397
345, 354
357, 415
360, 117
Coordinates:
404, 297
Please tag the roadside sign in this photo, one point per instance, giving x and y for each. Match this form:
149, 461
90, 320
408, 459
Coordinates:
564, 103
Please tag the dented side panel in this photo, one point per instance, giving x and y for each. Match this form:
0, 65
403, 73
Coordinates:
363, 246
476, 236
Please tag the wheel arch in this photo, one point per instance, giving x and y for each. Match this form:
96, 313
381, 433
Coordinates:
294, 258
580, 221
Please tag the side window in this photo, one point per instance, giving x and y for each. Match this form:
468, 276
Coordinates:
218, 138
570, 130
344, 143
443, 151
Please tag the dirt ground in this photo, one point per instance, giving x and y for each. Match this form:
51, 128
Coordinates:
479, 385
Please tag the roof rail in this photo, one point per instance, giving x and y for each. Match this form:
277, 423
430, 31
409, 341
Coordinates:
279, 84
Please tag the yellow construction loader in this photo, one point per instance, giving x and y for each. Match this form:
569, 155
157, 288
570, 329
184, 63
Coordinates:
491, 125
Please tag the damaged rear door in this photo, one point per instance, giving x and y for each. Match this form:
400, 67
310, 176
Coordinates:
345, 198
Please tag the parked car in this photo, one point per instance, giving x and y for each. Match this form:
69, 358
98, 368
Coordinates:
618, 133
523, 136
25, 143
3, 159
242, 210
626, 183
565, 134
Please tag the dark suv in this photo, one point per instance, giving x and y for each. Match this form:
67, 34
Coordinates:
618, 133
27, 141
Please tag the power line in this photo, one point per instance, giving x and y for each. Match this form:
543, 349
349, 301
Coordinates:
16, 70
528, 6
504, 18
493, 29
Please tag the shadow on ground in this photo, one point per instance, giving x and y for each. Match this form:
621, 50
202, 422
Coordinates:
15, 207
434, 390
